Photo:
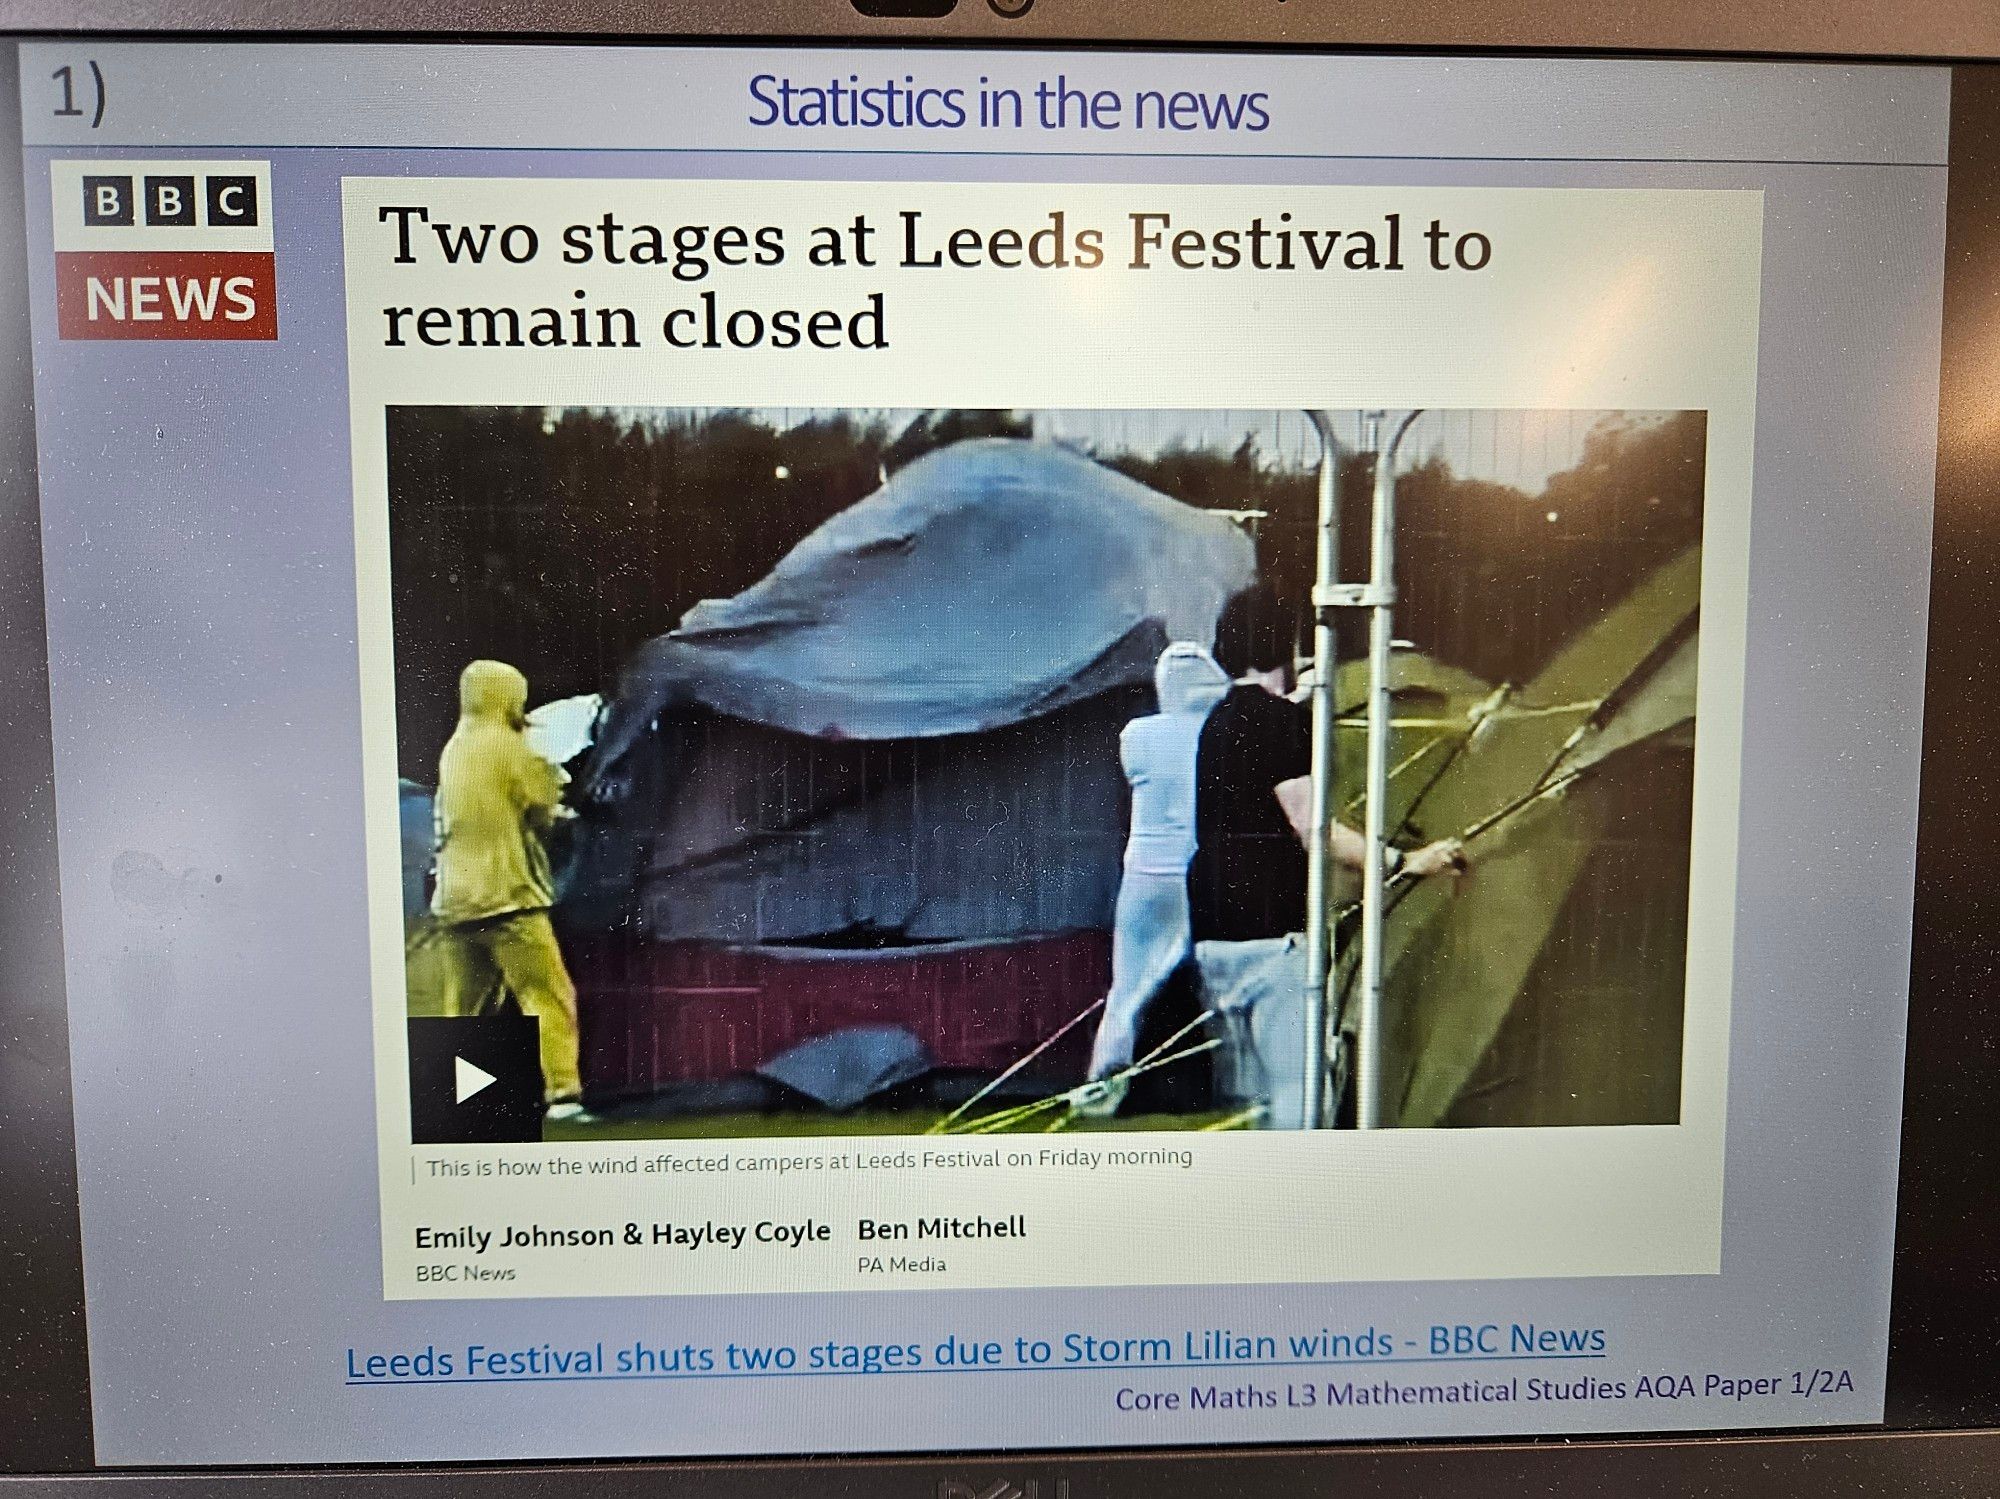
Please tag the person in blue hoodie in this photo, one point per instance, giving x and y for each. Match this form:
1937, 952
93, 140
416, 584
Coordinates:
1151, 936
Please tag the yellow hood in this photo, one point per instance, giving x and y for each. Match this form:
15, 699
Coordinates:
493, 692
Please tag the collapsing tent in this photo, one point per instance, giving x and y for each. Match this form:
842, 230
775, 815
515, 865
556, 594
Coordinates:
1547, 985
1588, 766
990, 582
902, 742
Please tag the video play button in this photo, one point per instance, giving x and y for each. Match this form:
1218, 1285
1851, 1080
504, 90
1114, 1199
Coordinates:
472, 1079
475, 1080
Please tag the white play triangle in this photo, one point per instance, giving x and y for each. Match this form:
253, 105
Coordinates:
471, 1079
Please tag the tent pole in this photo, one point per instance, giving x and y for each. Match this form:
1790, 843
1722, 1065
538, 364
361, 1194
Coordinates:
1381, 601
1319, 851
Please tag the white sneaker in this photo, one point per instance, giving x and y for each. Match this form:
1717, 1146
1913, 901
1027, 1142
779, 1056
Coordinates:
569, 1111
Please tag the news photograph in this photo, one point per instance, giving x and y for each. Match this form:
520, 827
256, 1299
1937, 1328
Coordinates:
792, 772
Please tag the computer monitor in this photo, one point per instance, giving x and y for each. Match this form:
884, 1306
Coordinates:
1009, 752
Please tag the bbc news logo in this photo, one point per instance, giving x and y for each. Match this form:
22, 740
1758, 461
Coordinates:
170, 199
164, 250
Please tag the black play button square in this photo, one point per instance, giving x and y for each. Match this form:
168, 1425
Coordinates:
475, 1081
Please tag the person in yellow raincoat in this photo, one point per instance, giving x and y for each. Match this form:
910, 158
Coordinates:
496, 801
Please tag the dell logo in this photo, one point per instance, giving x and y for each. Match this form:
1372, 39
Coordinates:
1003, 1489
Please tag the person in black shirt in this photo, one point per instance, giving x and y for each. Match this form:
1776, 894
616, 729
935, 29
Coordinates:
1253, 789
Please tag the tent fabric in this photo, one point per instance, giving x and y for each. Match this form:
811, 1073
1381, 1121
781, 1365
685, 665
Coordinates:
765, 836
1663, 702
1459, 952
1430, 705
559, 731
908, 731
1461, 971
415, 816
660, 1015
1593, 1034
987, 583
845, 1068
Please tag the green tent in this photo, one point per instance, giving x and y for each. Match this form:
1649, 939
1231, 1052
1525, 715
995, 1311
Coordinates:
1545, 986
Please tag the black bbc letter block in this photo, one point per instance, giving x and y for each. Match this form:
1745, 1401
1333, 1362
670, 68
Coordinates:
232, 202
170, 201
106, 201
475, 1081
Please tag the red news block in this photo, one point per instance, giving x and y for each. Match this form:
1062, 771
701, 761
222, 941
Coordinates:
166, 294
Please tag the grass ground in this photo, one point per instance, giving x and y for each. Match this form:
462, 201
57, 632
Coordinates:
862, 1122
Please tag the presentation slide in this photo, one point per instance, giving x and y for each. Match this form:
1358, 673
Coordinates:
849, 850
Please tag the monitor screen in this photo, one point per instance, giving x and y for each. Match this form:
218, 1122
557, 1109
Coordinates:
760, 751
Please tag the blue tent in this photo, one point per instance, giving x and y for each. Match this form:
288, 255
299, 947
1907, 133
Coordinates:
908, 730
987, 583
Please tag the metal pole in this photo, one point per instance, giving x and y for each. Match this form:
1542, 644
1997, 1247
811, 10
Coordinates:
1319, 851
1368, 1088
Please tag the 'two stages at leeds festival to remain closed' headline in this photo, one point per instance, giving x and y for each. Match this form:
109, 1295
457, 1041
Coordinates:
1273, 243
